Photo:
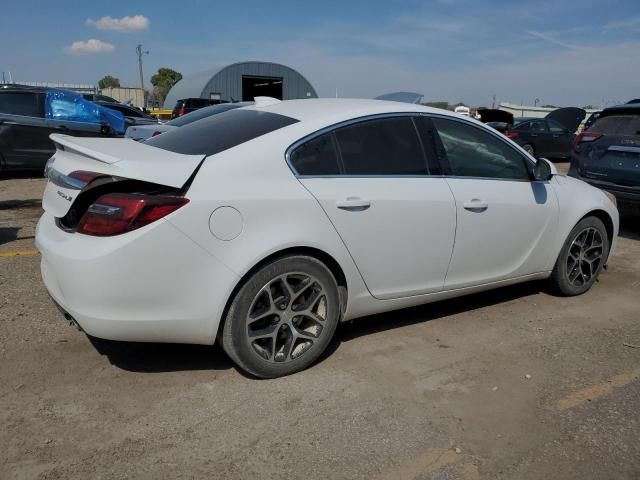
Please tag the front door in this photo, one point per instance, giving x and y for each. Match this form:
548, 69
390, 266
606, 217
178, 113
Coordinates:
505, 220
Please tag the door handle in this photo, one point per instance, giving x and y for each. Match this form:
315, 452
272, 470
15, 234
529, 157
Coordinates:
62, 127
353, 204
534, 135
475, 205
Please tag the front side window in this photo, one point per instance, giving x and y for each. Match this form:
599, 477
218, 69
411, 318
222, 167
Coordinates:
472, 152
21, 103
388, 146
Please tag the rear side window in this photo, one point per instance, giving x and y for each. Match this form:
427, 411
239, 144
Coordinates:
217, 133
555, 127
197, 102
28, 104
472, 152
316, 157
388, 146
617, 125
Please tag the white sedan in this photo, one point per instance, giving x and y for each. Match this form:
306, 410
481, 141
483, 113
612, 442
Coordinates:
265, 226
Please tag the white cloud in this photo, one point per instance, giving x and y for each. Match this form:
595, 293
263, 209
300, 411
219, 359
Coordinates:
124, 24
89, 47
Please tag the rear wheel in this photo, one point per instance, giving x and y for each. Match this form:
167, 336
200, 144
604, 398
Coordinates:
581, 259
283, 317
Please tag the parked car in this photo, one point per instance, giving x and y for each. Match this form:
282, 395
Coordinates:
608, 155
28, 115
497, 119
99, 98
187, 105
265, 226
551, 136
143, 132
132, 115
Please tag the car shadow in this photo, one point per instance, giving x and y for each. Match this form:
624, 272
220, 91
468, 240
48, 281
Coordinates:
431, 311
166, 357
20, 204
161, 357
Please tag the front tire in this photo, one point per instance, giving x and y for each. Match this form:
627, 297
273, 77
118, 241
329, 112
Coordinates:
581, 259
282, 318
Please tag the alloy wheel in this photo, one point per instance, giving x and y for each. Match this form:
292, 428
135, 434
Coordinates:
287, 317
584, 256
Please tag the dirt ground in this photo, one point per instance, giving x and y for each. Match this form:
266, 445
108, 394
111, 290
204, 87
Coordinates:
509, 384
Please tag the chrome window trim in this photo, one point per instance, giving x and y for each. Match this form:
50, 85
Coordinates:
531, 162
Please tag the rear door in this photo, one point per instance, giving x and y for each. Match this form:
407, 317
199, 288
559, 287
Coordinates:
397, 221
505, 221
24, 135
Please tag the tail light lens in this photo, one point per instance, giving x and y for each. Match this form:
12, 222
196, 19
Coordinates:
181, 111
117, 213
512, 134
155, 133
583, 138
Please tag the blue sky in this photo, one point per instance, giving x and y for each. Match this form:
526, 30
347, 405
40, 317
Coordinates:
562, 52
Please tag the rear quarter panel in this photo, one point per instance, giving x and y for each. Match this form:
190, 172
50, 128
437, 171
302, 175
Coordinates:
277, 211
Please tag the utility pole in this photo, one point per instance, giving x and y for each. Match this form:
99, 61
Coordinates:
140, 53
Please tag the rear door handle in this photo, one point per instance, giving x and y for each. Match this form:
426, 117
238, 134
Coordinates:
353, 204
476, 205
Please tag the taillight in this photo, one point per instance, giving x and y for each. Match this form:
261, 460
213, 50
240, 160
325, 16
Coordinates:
85, 177
181, 111
512, 134
155, 133
584, 137
117, 213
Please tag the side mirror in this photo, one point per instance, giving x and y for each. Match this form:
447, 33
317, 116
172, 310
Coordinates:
543, 170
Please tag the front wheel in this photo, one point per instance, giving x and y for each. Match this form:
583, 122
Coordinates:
581, 259
283, 317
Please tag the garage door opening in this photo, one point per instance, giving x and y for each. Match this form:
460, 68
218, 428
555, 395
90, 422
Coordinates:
261, 87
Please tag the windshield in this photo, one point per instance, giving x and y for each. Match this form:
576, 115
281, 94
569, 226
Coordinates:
205, 112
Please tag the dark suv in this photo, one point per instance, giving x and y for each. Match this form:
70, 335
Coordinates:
28, 115
187, 105
608, 155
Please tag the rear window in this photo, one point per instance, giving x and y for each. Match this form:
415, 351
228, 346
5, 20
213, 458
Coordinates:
204, 112
617, 125
217, 133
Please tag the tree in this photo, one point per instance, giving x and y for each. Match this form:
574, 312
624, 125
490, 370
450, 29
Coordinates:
163, 81
108, 82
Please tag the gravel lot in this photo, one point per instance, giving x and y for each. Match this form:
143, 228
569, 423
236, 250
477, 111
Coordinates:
509, 384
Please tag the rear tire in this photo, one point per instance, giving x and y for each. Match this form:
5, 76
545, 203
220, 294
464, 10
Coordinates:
581, 259
283, 318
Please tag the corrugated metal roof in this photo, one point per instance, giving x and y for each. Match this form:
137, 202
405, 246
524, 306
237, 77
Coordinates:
227, 82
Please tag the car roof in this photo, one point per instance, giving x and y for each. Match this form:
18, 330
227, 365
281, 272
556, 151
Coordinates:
22, 88
335, 110
626, 108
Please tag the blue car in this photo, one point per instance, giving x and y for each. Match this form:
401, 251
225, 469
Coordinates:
28, 115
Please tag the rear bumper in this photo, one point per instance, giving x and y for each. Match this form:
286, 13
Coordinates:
622, 193
150, 285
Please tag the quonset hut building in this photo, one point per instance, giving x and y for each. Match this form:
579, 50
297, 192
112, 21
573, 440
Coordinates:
242, 82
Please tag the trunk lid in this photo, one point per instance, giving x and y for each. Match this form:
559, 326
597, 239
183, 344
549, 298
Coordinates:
568, 117
116, 160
